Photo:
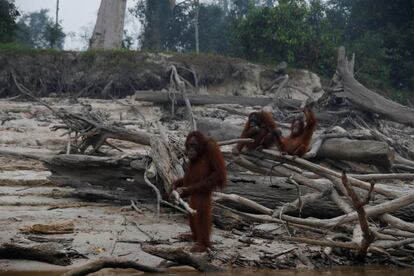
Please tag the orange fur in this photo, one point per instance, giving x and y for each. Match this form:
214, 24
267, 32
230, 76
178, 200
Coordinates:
299, 144
264, 137
203, 175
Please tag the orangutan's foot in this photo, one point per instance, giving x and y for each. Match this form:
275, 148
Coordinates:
198, 248
188, 236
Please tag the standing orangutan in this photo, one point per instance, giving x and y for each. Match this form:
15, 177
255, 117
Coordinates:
261, 127
297, 143
206, 172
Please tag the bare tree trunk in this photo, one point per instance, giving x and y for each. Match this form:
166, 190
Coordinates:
197, 12
57, 12
225, 6
366, 99
109, 25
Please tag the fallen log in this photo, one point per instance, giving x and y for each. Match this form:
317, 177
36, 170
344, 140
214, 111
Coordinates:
275, 192
358, 203
163, 97
121, 179
51, 253
219, 130
228, 220
90, 126
318, 169
110, 263
371, 211
108, 173
366, 99
110, 178
366, 151
181, 256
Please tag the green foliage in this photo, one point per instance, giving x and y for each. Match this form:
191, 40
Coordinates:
37, 30
214, 27
8, 15
155, 17
305, 33
10, 47
381, 33
16, 48
127, 41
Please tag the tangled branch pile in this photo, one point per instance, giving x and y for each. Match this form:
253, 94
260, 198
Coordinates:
353, 190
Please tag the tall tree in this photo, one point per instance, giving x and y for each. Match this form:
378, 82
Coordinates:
381, 33
53, 32
196, 4
109, 27
38, 30
8, 15
241, 7
155, 16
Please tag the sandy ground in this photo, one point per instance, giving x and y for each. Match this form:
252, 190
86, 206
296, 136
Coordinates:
26, 194
101, 229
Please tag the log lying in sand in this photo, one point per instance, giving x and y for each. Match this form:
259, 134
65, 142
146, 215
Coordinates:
106, 173
110, 263
93, 176
366, 151
163, 97
97, 178
219, 130
181, 256
51, 253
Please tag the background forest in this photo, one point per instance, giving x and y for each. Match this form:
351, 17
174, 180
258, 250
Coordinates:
305, 34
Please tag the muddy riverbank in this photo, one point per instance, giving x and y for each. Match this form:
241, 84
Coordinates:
112, 228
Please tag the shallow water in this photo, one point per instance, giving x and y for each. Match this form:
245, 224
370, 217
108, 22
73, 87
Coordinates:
348, 271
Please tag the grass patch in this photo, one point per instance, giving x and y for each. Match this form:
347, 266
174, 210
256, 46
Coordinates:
20, 49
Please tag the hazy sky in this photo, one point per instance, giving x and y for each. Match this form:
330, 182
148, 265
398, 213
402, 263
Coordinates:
76, 17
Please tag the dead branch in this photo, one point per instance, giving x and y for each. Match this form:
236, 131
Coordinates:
221, 197
318, 169
91, 127
181, 256
368, 236
275, 102
371, 211
394, 244
51, 253
157, 192
328, 243
161, 97
368, 100
177, 83
383, 176
234, 141
95, 266
176, 197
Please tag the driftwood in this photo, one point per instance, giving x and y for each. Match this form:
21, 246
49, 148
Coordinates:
98, 178
90, 127
94, 177
178, 83
228, 219
263, 186
366, 99
367, 236
366, 151
106, 173
161, 97
218, 130
52, 253
181, 256
331, 146
95, 266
